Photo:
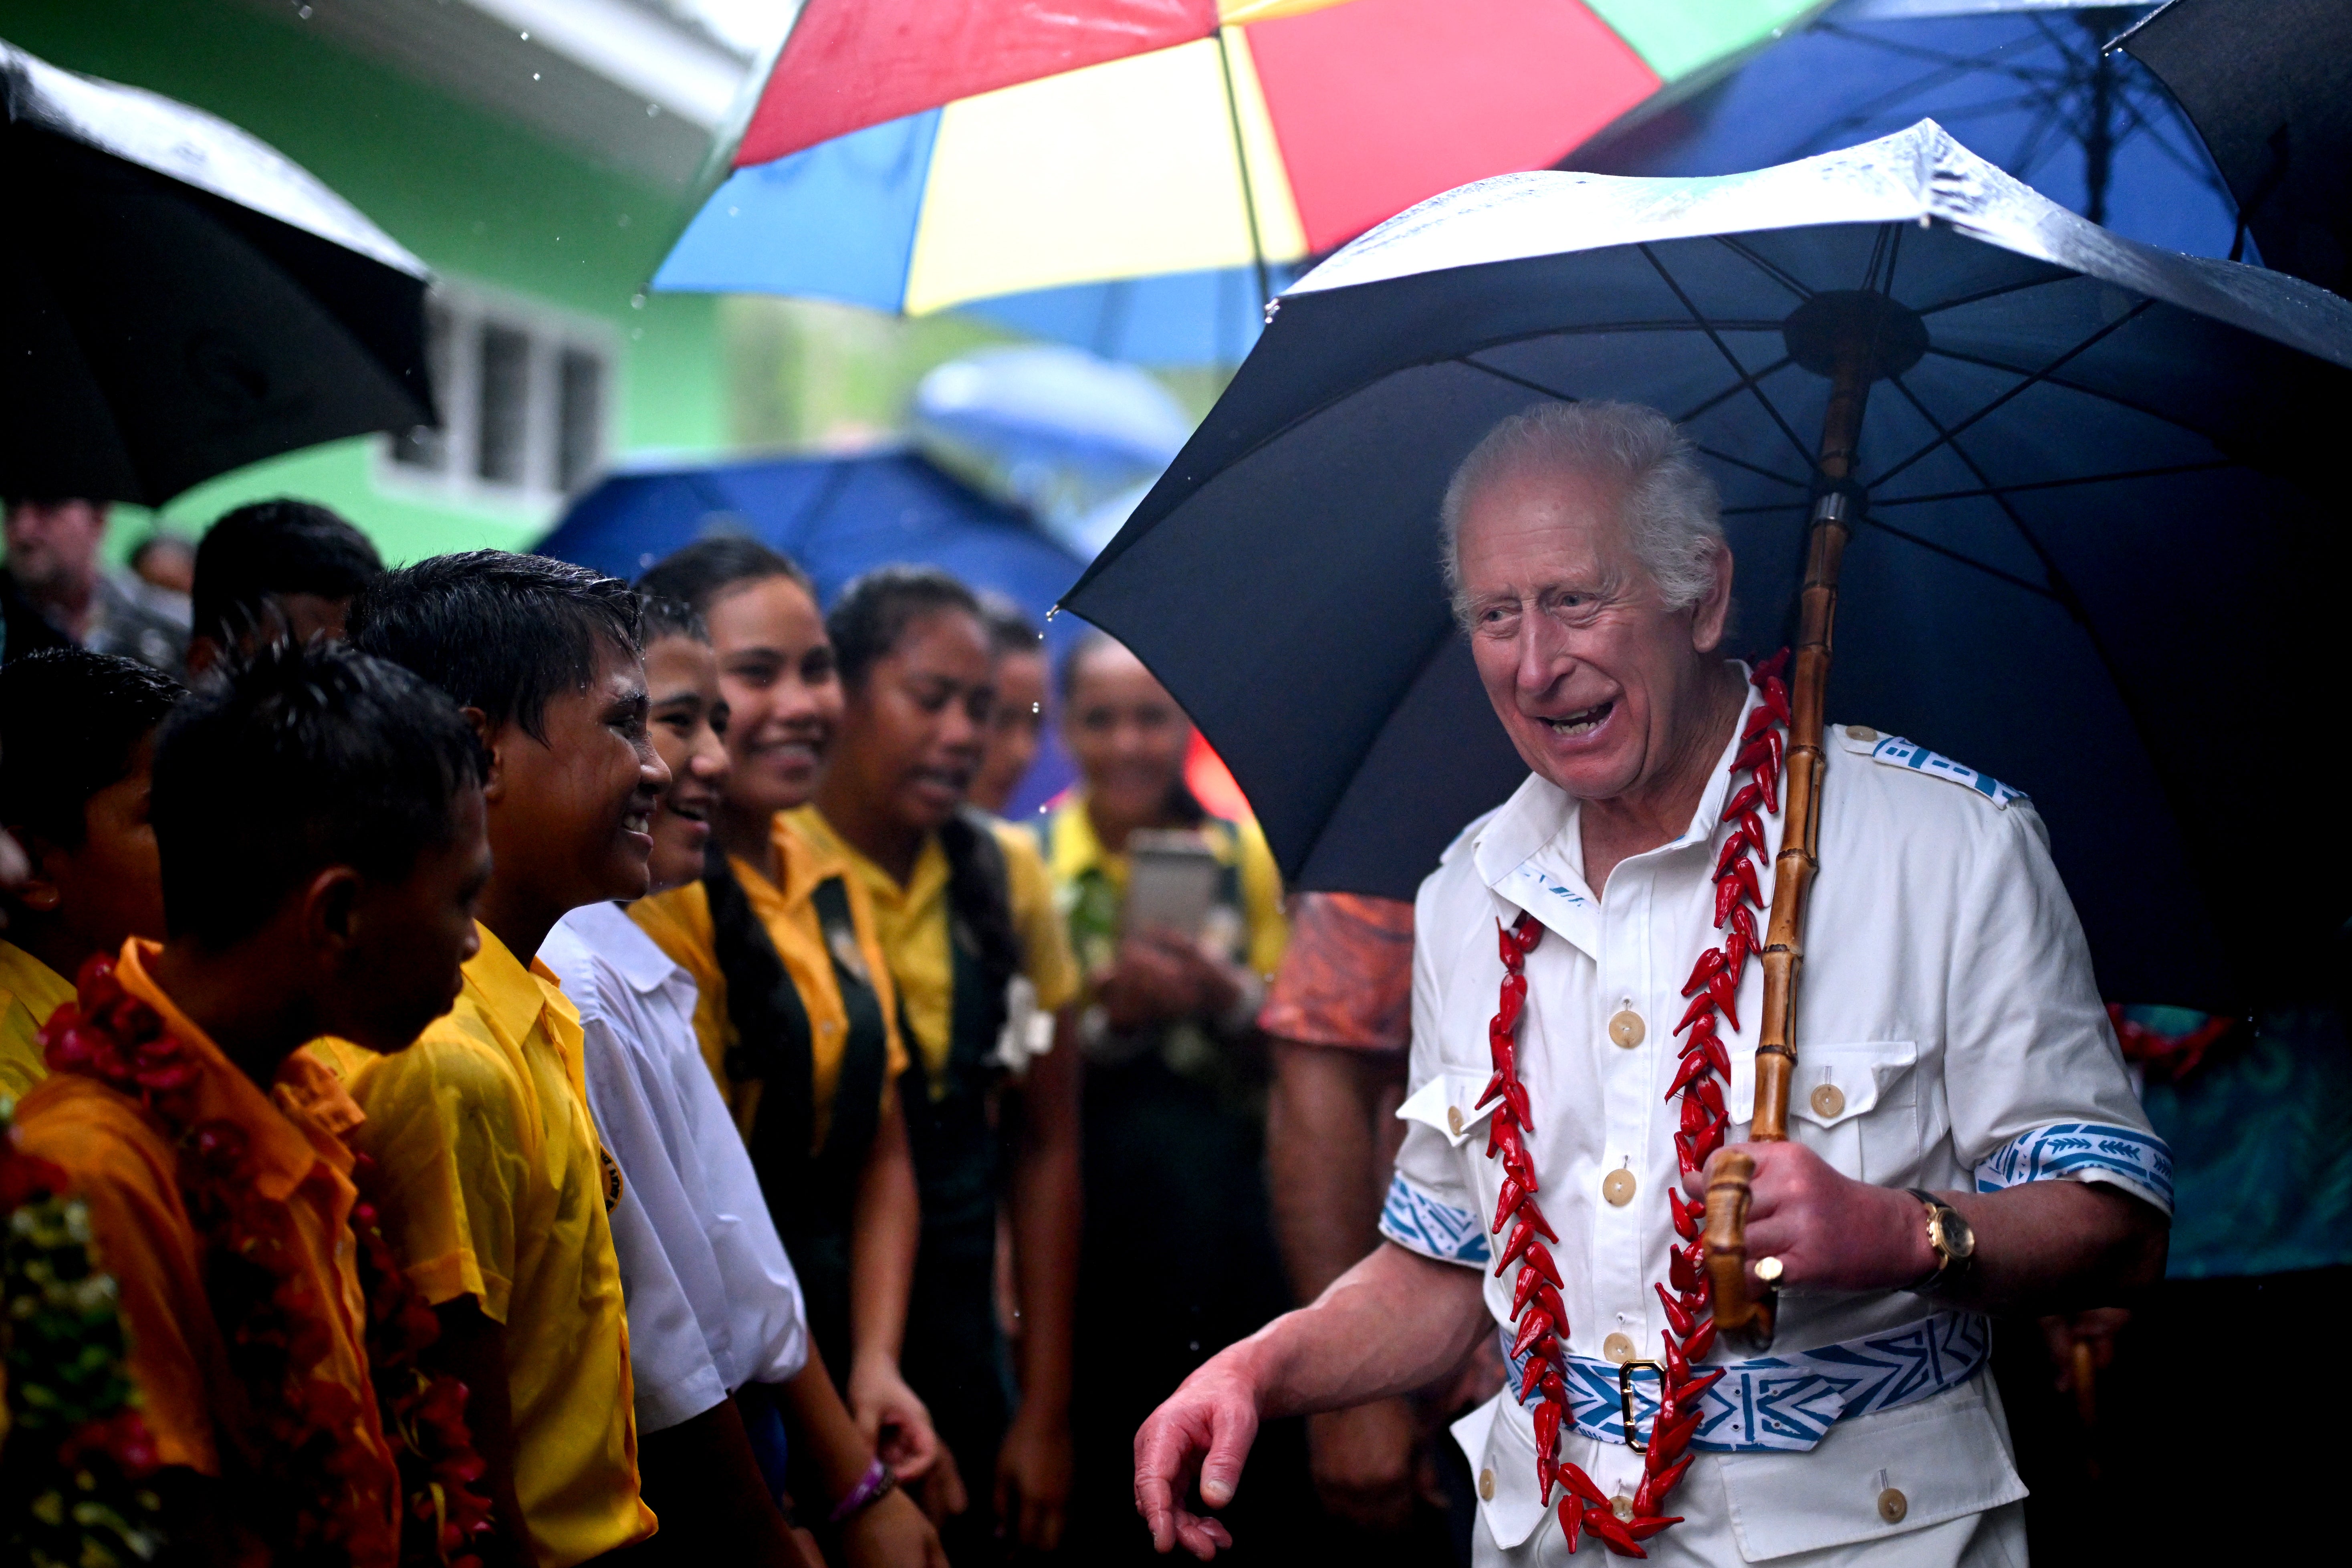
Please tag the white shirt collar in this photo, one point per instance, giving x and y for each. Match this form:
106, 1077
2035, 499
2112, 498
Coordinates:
606, 930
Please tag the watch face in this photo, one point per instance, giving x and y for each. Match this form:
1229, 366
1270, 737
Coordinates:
1959, 1240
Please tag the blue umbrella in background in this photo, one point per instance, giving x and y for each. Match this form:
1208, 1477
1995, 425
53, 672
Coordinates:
837, 516
1060, 434
2027, 84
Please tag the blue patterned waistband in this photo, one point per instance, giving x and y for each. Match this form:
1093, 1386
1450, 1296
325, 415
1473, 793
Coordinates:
1788, 1403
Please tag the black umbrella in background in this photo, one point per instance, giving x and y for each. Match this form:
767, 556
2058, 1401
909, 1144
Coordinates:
178, 300
2098, 557
2269, 83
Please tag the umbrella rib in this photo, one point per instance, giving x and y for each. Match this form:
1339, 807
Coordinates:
1560, 396
1762, 264
1948, 437
1996, 292
1728, 357
1948, 553
2060, 380
2164, 471
1729, 393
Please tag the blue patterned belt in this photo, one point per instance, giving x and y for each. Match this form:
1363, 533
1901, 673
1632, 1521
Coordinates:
1786, 1403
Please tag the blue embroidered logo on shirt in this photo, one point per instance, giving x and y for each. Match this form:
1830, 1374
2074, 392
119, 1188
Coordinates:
1533, 875
1897, 752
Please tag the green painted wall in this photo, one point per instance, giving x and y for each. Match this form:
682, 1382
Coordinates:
481, 199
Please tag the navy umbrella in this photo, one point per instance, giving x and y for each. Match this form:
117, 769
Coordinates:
2090, 563
837, 515
2030, 86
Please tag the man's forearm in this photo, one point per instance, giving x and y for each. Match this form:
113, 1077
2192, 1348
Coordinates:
2055, 1247
1394, 1323
1327, 1159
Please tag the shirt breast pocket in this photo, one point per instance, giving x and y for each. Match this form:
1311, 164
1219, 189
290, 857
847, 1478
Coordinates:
1858, 1106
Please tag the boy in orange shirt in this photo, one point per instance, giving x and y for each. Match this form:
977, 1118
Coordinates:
497, 1187
320, 824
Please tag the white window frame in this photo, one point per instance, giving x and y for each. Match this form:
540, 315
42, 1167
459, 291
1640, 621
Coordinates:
469, 307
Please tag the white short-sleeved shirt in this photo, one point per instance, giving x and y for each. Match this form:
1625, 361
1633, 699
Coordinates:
1947, 996
713, 1302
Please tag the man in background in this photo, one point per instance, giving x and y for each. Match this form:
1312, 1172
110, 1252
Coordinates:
276, 569
55, 593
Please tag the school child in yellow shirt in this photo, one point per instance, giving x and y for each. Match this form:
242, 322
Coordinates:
321, 825
496, 1186
77, 749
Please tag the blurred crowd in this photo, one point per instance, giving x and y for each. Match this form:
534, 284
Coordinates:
557, 1069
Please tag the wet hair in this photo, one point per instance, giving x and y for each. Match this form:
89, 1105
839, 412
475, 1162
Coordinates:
1673, 514
875, 611
292, 761
700, 572
1009, 629
69, 723
659, 617
257, 553
502, 633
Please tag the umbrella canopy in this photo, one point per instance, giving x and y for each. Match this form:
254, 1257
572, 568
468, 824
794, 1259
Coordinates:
182, 299
2264, 79
2033, 89
837, 516
916, 154
2087, 566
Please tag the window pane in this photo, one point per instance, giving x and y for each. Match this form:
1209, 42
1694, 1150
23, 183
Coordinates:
425, 446
506, 391
579, 426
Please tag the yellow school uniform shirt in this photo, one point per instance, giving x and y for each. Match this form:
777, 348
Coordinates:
913, 923
679, 922
29, 992
494, 1187
1076, 849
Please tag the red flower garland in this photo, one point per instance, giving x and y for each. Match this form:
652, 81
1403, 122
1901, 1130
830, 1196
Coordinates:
1535, 1306
277, 1340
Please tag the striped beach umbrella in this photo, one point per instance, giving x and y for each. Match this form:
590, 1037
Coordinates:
915, 155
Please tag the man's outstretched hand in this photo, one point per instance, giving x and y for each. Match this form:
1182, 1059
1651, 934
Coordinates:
1199, 1436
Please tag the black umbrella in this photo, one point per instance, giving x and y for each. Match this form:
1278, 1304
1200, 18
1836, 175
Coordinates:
2269, 84
2086, 565
178, 300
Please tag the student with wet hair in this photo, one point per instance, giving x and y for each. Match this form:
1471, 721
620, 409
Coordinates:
275, 569
798, 1023
1017, 721
496, 1188
76, 755
320, 826
983, 969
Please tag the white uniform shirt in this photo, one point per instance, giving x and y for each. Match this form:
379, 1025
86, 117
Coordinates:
713, 1302
1946, 1001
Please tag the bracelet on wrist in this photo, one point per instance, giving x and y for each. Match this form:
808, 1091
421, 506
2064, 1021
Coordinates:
878, 1481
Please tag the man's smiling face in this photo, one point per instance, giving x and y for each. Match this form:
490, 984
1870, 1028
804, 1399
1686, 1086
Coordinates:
1586, 666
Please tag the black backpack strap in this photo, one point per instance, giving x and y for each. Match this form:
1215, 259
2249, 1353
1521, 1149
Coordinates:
772, 1040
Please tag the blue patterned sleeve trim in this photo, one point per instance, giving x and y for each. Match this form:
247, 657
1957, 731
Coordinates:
2083, 1151
1419, 1223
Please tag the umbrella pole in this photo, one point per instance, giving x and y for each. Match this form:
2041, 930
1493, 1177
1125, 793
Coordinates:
1854, 338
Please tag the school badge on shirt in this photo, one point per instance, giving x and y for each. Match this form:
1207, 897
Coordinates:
612, 1179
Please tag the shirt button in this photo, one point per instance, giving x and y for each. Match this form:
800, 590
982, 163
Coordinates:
1861, 732
1626, 1027
1893, 1505
1617, 1186
1828, 1101
1618, 1348
1454, 1119
1487, 1485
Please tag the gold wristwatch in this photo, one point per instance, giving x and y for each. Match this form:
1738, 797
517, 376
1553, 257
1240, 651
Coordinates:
1952, 1241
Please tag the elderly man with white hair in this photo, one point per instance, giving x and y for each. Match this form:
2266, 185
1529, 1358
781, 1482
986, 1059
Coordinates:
1965, 1138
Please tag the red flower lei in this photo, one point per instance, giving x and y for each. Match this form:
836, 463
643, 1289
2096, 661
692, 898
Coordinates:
307, 1492
1535, 1306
